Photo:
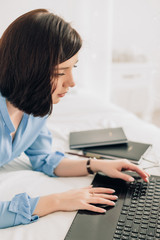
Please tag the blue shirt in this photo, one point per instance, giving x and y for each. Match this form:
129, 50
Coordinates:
34, 139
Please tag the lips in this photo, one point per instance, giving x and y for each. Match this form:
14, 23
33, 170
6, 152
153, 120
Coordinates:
62, 94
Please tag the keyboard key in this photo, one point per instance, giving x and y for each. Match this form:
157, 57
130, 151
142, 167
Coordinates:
134, 235
155, 208
138, 221
124, 238
119, 228
152, 225
131, 214
127, 229
132, 209
116, 236
149, 238
145, 217
125, 208
157, 235
145, 226
122, 218
158, 231
120, 224
153, 220
128, 223
134, 201
135, 228
141, 237
126, 233
146, 213
133, 205
124, 212
118, 232
151, 232
143, 231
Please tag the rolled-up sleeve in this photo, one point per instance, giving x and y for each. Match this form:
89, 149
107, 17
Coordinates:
40, 154
18, 211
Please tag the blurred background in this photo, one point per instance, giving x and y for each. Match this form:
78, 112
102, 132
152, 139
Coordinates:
120, 58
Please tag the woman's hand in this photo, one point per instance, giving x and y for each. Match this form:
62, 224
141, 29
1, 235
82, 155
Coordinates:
84, 198
114, 168
76, 199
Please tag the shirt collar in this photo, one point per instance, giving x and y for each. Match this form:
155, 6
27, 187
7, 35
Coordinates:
5, 114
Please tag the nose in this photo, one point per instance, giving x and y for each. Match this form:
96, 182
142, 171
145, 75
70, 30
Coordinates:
69, 81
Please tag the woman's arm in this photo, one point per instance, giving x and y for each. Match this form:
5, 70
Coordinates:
112, 168
18, 211
71, 168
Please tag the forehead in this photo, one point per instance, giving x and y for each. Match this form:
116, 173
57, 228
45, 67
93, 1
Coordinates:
70, 62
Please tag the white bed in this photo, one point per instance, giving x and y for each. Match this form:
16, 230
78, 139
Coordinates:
73, 113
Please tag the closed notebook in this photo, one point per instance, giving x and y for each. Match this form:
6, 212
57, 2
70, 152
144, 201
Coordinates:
98, 137
131, 150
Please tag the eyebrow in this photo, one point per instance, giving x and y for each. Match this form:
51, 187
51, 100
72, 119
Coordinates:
63, 68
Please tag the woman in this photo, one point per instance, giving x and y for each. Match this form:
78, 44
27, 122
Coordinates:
37, 54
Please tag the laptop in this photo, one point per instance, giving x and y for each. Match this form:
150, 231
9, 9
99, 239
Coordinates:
136, 214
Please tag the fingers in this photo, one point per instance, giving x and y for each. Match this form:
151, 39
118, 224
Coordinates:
105, 196
144, 175
137, 169
94, 208
99, 196
102, 190
125, 177
129, 166
101, 200
98, 200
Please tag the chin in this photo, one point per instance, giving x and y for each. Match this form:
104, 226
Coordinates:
55, 101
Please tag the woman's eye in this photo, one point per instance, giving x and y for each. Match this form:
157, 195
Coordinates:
59, 74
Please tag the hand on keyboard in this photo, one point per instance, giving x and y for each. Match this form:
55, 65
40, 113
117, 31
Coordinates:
114, 168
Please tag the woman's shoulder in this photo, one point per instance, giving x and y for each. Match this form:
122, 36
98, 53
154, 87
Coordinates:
36, 121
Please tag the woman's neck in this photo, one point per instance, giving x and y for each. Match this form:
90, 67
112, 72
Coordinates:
15, 116
13, 111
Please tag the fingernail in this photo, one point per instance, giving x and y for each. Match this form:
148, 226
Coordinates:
103, 211
116, 196
131, 179
147, 179
113, 203
112, 190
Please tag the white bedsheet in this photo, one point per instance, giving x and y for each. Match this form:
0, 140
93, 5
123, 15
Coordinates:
73, 113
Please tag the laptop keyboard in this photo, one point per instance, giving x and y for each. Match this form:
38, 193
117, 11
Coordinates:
140, 214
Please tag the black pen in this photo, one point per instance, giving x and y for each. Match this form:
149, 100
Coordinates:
93, 155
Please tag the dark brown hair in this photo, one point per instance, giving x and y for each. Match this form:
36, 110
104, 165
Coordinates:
30, 48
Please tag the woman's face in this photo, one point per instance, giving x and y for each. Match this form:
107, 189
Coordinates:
64, 78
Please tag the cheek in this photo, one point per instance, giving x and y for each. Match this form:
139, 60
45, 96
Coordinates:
54, 83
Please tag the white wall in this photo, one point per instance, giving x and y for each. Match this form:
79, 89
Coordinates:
136, 33
137, 27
